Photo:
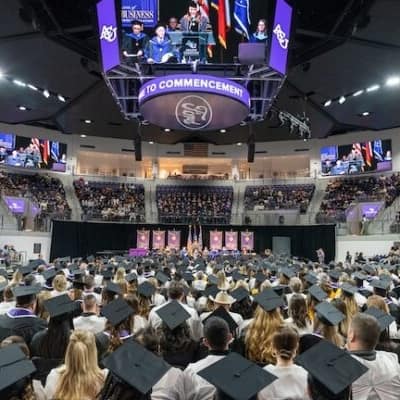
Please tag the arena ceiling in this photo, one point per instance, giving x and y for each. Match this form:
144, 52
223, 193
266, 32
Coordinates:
339, 47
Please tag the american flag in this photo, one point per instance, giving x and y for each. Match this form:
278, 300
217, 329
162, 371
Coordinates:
205, 12
224, 19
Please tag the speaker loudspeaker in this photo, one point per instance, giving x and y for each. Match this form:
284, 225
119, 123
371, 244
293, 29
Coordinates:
251, 148
138, 149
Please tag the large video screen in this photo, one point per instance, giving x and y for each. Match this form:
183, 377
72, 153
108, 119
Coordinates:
19, 151
229, 23
357, 158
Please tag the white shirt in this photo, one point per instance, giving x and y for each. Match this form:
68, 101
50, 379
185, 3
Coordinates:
91, 323
301, 331
139, 323
6, 306
158, 299
170, 386
194, 322
291, 384
381, 381
96, 295
196, 387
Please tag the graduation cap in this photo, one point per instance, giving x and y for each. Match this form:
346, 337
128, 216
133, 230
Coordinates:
188, 277
360, 276
317, 293
213, 279
78, 284
131, 277
59, 305
221, 312
173, 314
14, 366
384, 320
237, 377
240, 293
349, 289
311, 279
64, 259
288, 272
22, 291
334, 274
25, 270
35, 263
49, 274
382, 284
329, 314
146, 289
269, 300
281, 289
237, 276
368, 269
90, 259
107, 274
260, 277
136, 366
211, 290
331, 366
113, 288
117, 311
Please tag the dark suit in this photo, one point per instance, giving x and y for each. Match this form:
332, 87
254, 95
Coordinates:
186, 21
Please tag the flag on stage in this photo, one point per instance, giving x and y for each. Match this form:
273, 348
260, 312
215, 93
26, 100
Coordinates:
143, 238
247, 240
174, 240
241, 17
378, 150
200, 238
224, 19
158, 239
215, 240
231, 240
45, 151
368, 153
189, 240
55, 151
205, 11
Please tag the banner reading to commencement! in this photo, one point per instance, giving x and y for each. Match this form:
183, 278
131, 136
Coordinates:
158, 239
145, 11
216, 240
174, 240
194, 102
143, 238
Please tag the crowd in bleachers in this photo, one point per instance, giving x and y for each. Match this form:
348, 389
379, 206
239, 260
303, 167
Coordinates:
46, 192
186, 204
342, 193
149, 328
111, 201
278, 197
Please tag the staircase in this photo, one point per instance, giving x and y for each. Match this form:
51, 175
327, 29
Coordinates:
315, 204
76, 210
237, 205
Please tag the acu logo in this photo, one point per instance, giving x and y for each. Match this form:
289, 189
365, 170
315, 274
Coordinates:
281, 36
193, 112
108, 33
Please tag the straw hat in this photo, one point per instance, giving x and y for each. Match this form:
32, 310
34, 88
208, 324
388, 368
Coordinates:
222, 298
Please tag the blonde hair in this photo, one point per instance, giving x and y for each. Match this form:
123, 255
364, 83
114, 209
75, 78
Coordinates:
41, 312
60, 283
242, 284
295, 284
120, 280
329, 332
17, 278
351, 305
378, 302
258, 338
80, 376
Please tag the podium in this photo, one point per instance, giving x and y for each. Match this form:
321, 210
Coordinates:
192, 45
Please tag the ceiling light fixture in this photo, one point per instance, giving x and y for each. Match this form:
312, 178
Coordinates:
22, 108
87, 121
19, 83
365, 113
393, 81
358, 93
239, 143
61, 98
83, 136
1, 74
151, 142
373, 88
327, 103
342, 100
167, 130
46, 93
32, 87
222, 130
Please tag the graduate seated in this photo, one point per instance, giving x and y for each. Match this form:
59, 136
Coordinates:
160, 49
135, 43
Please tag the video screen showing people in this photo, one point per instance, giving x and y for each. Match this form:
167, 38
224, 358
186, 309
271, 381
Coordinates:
19, 151
357, 158
183, 31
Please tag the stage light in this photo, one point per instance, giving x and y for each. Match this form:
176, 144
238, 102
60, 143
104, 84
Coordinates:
358, 93
32, 87
222, 130
365, 113
1, 74
46, 93
327, 103
342, 100
151, 142
19, 83
87, 121
239, 143
83, 136
61, 98
167, 130
393, 81
22, 108
373, 88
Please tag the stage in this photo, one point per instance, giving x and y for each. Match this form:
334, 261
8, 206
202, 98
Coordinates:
77, 239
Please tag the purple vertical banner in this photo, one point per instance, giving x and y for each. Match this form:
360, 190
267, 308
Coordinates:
108, 34
143, 239
158, 239
247, 240
174, 240
231, 240
280, 41
215, 240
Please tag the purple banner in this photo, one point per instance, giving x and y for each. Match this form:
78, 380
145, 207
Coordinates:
15, 204
174, 240
143, 238
247, 240
231, 240
216, 240
280, 37
158, 239
108, 34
